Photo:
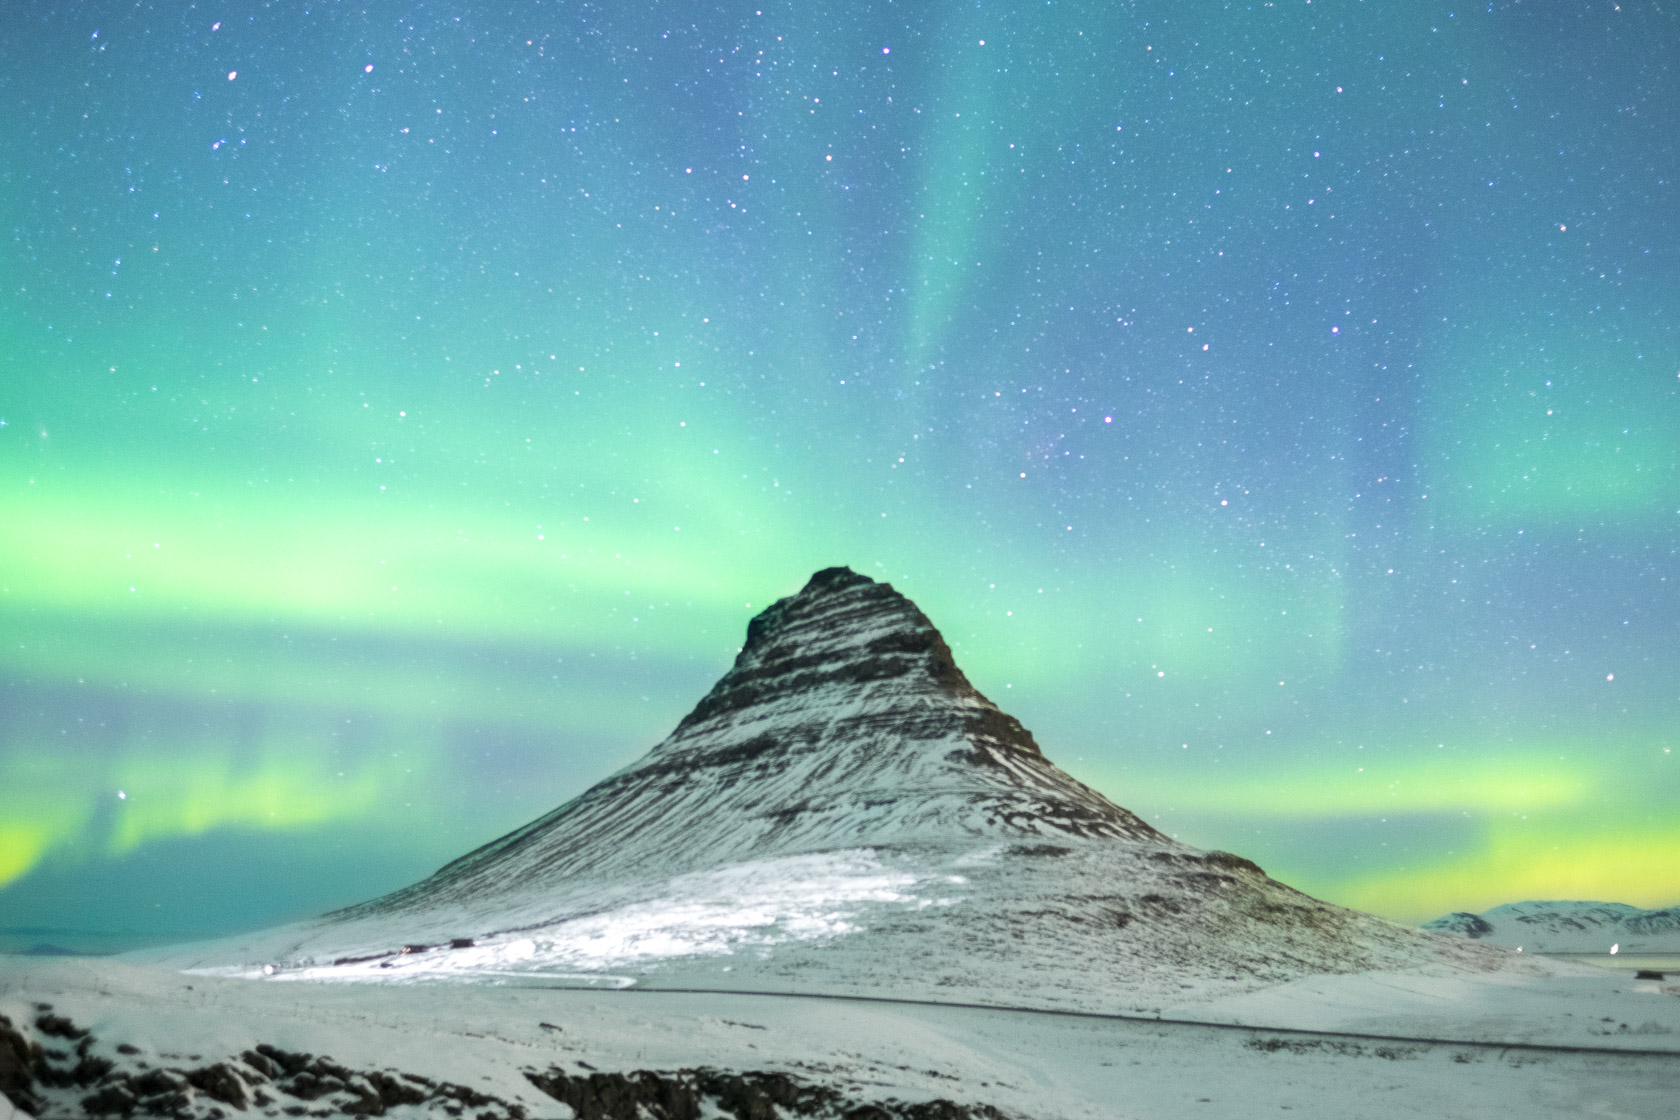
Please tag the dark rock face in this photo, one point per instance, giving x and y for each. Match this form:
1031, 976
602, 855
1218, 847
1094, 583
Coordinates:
58, 1027
844, 721
690, 1094
800, 645
19, 1058
45, 1083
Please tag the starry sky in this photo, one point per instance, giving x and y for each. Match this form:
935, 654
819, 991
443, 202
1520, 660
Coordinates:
406, 406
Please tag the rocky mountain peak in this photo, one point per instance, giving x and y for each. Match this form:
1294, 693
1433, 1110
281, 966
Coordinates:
844, 631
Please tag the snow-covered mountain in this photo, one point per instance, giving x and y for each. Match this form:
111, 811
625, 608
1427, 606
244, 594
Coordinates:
1570, 927
844, 811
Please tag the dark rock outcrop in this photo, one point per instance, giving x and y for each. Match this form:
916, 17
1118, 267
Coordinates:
19, 1059
690, 1094
266, 1080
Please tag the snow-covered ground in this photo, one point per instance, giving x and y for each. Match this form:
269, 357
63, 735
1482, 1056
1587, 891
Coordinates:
487, 1036
847, 885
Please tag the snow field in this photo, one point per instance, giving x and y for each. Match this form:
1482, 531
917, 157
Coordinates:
1032, 1065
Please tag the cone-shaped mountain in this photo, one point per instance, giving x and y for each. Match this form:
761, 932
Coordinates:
844, 810
844, 721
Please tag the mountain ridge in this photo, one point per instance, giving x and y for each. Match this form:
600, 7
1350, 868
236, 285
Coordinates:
1568, 926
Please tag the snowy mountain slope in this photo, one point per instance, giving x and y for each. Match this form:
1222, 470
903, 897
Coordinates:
844, 811
1570, 927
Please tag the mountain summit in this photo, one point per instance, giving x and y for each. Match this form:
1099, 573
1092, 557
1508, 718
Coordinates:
845, 810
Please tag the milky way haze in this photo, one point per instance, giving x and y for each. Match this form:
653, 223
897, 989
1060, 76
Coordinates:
405, 407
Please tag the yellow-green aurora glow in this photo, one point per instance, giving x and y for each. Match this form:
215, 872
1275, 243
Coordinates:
402, 414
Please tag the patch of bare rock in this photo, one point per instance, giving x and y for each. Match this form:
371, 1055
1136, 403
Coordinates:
50, 1070
58, 1074
685, 1095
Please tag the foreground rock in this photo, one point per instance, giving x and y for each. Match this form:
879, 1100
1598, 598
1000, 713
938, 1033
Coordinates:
53, 1071
694, 1093
51, 1082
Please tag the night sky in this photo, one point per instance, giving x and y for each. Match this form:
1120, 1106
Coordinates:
406, 406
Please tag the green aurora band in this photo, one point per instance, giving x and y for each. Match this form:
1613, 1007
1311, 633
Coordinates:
405, 413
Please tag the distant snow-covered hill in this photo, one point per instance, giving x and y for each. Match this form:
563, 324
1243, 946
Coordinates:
844, 811
1569, 927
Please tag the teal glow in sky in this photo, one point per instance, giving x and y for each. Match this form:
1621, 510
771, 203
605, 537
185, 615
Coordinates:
405, 407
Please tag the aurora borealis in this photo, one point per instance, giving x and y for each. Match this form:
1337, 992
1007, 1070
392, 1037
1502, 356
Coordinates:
406, 406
